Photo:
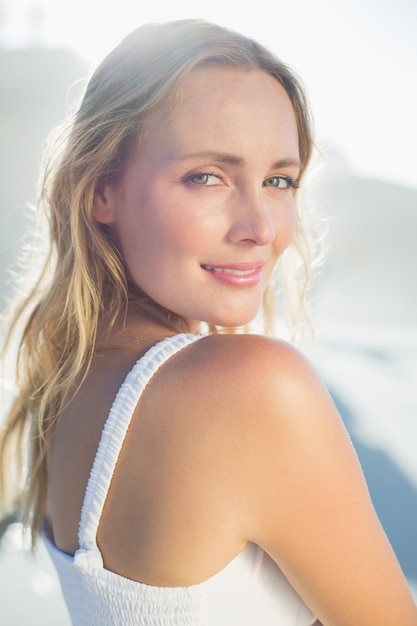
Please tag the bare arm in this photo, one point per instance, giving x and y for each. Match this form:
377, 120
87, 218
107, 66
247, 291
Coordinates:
304, 500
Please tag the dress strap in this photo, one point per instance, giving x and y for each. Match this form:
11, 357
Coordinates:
112, 439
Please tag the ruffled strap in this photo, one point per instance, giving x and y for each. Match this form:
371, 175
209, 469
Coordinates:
88, 556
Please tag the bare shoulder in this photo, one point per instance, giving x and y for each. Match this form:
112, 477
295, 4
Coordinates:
242, 442
236, 394
295, 480
248, 401
244, 348
273, 397
249, 369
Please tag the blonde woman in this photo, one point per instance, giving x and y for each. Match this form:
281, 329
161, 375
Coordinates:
180, 472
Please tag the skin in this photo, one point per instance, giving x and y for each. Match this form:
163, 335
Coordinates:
258, 453
210, 190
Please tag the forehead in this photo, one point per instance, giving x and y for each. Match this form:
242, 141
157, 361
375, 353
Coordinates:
222, 107
215, 91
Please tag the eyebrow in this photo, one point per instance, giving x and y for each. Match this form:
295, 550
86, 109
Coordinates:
224, 157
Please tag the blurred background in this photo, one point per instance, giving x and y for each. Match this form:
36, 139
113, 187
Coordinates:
357, 59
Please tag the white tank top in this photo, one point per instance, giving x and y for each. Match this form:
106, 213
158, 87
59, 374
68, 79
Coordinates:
250, 590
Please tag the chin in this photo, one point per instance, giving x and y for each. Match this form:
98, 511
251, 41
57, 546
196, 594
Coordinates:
233, 322
224, 319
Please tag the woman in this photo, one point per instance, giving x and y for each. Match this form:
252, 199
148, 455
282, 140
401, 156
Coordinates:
184, 474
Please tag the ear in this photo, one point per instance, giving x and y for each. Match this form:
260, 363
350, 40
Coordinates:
104, 205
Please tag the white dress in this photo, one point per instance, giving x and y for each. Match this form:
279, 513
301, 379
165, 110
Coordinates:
250, 590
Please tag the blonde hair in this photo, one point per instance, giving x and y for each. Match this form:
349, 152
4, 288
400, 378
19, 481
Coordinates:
83, 279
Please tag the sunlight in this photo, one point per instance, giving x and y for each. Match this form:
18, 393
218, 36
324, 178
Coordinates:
356, 59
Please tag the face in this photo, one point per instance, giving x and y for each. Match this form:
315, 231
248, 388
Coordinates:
207, 207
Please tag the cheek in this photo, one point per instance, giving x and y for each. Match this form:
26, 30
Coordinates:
159, 241
184, 230
285, 228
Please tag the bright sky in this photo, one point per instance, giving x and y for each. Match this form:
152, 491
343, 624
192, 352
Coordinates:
357, 58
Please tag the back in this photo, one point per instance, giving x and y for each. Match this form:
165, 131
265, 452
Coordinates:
252, 573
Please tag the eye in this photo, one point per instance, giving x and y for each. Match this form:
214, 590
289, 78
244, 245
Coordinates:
204, 179
281, 182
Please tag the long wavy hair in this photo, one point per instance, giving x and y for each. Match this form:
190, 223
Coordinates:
82, 280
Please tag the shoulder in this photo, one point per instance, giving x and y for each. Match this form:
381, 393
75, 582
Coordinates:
248, 368
261, 407
244, 393
252, 403
249, 446
238, 387
243, 352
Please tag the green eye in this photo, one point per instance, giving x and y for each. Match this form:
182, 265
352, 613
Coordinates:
205, 178
277, 181
281, 182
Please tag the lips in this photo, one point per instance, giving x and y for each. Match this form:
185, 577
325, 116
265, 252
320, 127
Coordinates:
243, 274
238, 266
230, 270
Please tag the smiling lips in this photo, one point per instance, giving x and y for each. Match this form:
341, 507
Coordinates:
239, 275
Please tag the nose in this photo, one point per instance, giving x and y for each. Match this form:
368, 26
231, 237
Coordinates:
252, 220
